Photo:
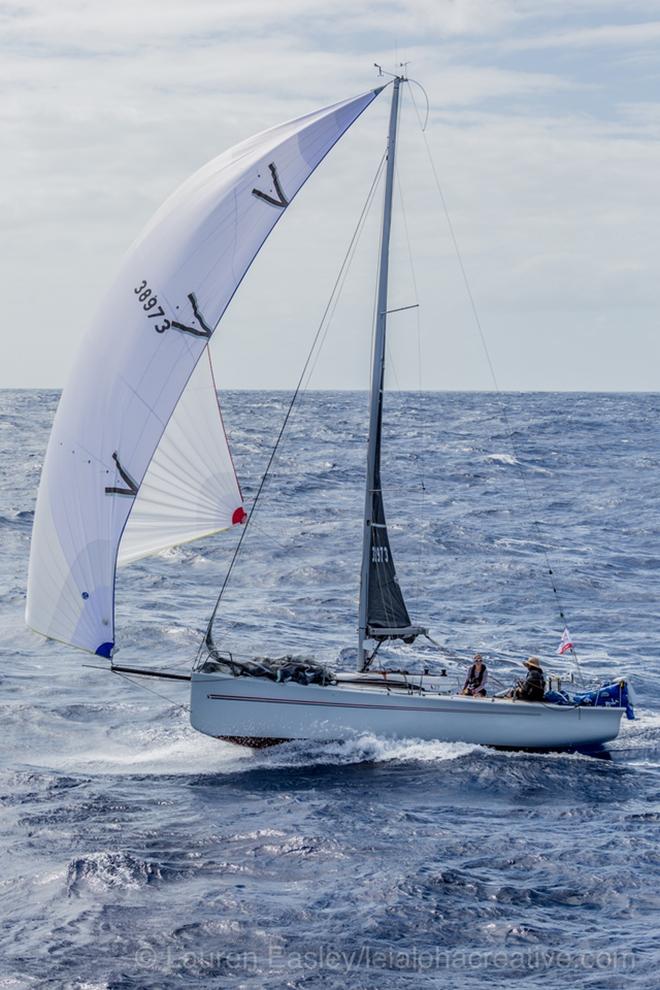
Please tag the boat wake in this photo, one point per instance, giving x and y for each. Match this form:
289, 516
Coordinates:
639, 741
169, 746
176, 750
365, 748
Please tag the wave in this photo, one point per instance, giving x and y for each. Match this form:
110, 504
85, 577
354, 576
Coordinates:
103, 871
21, 519
502, 459
511, 461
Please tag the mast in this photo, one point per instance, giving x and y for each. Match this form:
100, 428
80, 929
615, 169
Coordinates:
378, 375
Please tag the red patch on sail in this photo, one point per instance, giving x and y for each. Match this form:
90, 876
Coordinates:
239, 516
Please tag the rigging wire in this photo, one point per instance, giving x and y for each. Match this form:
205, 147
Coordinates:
503, 412
318, 336
333, 302
268, 536
428, 102
163, 697
349, 258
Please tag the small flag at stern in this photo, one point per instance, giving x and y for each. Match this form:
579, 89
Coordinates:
566, 642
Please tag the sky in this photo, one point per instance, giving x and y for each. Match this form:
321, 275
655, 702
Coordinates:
544, 129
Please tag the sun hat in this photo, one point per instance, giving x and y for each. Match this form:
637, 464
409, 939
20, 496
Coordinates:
532, 662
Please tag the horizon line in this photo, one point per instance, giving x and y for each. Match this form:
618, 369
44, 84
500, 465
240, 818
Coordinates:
402, 391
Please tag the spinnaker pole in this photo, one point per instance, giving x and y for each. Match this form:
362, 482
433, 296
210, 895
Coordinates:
378, 374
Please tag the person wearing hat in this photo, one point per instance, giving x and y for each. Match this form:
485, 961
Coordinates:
477, 678
532, 688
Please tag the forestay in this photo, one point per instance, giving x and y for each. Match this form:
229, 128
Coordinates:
132, 369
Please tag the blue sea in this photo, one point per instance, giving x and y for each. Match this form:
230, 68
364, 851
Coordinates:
137, 853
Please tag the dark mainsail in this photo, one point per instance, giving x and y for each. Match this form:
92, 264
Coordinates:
387, 616
383, 613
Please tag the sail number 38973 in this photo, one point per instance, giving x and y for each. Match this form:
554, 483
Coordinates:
149, 303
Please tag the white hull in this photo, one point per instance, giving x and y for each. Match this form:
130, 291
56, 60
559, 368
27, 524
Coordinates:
259, 711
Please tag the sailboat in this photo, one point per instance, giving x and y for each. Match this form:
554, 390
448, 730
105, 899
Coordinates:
138, 461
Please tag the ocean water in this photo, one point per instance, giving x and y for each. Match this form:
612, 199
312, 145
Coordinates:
139, 854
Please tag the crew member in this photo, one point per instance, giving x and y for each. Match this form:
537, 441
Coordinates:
532, 688
477, 678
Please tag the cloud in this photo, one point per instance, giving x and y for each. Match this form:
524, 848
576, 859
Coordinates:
550, 172
620, 35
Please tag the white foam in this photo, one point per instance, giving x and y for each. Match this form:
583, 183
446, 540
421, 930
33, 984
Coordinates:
365, 748
639, 740
176, 748
502, 459
509, 459
172, 749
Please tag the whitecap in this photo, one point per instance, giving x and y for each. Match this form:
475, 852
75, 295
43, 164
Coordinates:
110, 870
502, 459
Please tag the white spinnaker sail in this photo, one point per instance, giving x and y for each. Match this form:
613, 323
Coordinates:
190, 488
137, 357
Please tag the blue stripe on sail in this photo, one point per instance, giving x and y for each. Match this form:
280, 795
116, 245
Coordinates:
105, 650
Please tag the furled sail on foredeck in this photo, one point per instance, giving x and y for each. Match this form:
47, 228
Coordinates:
136, 360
